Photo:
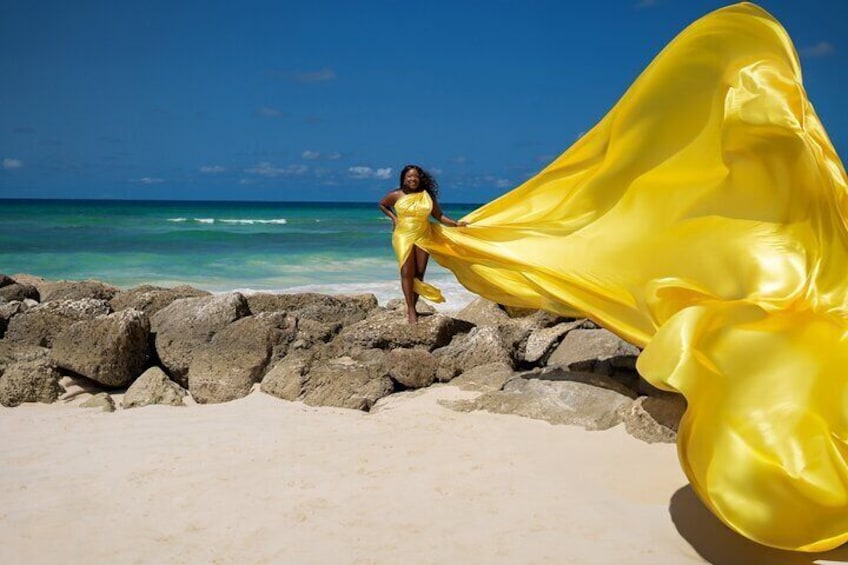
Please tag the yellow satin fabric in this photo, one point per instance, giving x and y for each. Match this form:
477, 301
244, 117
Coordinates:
413, 212
704, 218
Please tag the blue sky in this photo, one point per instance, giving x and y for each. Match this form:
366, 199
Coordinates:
323, 100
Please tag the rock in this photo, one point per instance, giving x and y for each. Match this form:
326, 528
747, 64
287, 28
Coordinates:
399, 304
597, 351
35, 380
238, 356
542, 341
311, 333
151, 299
413, 368
153, 387
40, 324
555, 402
7, 311
319, 307
390, 330
345, 382
481, 346
187, 325
112, 350
483, 312
6, 280
11, 353
39, 283
485, 378
78, 290
102, 400
287, 378
641, 424
19, 291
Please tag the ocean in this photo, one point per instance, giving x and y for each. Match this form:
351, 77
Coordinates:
216, 246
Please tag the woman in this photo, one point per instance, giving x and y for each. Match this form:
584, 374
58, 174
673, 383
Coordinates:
705, 219
409, 207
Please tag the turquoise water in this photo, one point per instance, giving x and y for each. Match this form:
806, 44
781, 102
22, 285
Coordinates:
217, 246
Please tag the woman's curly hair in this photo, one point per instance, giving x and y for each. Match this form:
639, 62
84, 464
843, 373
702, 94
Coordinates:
428, 182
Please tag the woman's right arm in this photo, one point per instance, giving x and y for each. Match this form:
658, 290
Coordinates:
386, 204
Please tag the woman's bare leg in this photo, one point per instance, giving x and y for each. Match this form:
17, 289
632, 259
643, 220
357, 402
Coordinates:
421, 258
407, 276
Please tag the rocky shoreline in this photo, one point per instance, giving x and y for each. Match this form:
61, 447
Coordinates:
67, 341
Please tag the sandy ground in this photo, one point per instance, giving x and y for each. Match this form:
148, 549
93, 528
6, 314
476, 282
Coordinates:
261, 480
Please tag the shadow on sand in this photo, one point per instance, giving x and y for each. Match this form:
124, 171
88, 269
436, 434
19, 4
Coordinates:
720, 545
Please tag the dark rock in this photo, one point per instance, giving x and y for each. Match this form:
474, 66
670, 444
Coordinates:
6, 280
19, 291
153, 387
238, 356
102, 400
557, 402
187, 325
413, 368
151, 299
40, 324
34, 380
78, 290
112, 350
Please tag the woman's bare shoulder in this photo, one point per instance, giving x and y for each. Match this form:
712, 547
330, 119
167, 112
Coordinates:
391, 197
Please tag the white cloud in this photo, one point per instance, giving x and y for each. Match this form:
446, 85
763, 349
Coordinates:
12, 163
270, 170
820, 49
322, 75
369, 173
310, 155
334, 156
268, 112
148, 180
212, 169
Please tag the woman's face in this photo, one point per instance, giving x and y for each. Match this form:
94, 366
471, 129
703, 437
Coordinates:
411, 179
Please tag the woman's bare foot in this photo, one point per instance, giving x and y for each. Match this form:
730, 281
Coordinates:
411, 315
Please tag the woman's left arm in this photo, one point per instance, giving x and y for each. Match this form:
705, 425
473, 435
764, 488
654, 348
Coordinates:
443, 219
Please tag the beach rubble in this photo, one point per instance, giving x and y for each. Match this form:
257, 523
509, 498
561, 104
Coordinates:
177, 346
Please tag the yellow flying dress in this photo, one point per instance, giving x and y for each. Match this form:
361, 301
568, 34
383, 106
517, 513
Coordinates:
704, 218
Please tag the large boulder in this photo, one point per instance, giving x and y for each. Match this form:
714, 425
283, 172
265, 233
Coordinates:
18, 291
40, 324
598, 351
7, 311
11, 353
238, 356
150, 299
557, 402
287, 378
390, 330
346, 382
39, 283
112, 350
33, 380
312, 333
483, 312
324, 308
78, 290
187, 325
153, 387
481, 346
413, 368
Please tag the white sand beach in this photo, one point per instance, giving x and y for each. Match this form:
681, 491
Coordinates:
260, 480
